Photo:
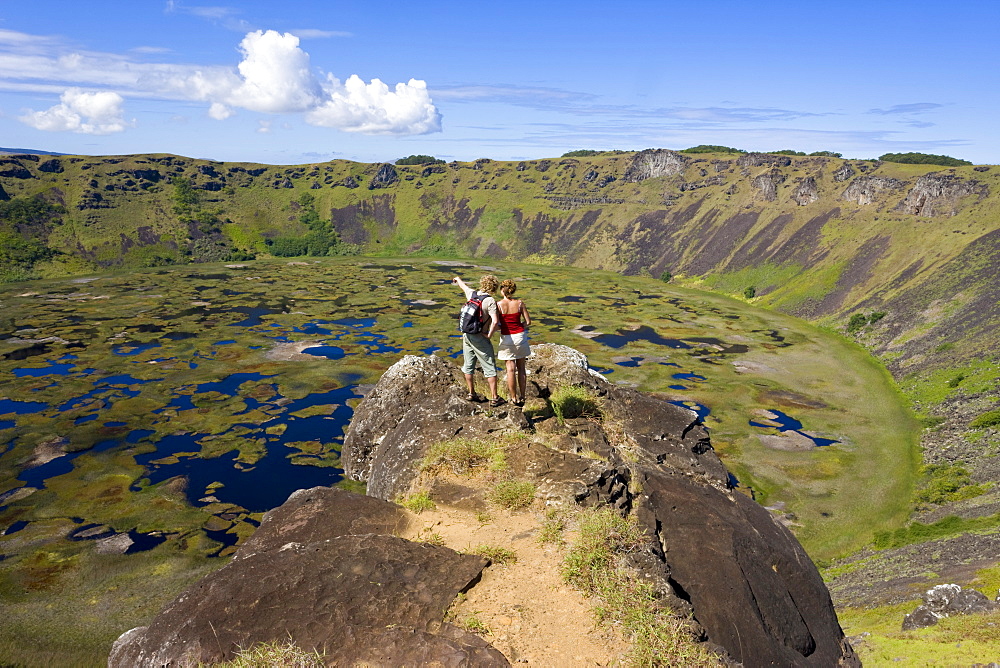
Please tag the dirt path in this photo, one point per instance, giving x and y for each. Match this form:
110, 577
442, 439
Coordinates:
527, 612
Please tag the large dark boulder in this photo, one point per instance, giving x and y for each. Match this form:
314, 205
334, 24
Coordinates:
750, 584
713, 553
327, 578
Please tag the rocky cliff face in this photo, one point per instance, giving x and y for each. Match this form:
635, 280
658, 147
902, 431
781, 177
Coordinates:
327, 570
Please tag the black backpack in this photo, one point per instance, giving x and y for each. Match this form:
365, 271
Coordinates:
470, 318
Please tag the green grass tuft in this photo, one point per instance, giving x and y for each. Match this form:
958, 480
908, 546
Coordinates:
947, 482
276, 654
595, 564
570, 401
513, 494
465, 456
418, 502
553, 527
988, 420
919, 533
498, 555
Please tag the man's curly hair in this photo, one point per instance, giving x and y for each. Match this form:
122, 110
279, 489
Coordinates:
488, 283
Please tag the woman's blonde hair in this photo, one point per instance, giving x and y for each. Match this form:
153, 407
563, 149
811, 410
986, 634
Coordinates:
508, 287
488, 283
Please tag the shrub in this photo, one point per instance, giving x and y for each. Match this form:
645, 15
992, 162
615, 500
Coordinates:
513, 494
859, 321
711, 148
923, 159
947, 482
464, 455
750, 291
989, 419
666, 277
786, 151
827, 154
420, 160
571, 401
580, 153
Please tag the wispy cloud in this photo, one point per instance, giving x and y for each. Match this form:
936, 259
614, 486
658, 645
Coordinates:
913, 108
150, 49
510, 94
275, 76
587, 104
315, 33
227, 17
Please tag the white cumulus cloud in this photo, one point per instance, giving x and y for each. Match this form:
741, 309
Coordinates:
97, 113
372, 108
274, 76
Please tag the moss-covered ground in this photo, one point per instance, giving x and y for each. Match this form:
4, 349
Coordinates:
186, 408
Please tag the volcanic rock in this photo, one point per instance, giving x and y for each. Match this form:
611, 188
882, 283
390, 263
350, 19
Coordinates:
712, 552
385, 176
866, 189
653, 163
939, 194
945, 601
326, 574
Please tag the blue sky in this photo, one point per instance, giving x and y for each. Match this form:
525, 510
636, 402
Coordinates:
295, 82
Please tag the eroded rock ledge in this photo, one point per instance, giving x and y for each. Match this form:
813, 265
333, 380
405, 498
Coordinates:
326, 569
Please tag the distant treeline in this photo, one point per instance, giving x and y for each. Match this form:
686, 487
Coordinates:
923, 159
420, 160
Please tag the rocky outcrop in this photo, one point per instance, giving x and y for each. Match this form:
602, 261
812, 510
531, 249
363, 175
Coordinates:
384, 177
767, 184
806, 192
325, 572
843, 173
763, 160
945, 601
712, 552
328, 571
867, 189
653, 163
53, 166
939, 195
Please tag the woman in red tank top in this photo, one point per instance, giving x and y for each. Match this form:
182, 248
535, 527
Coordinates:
514, 348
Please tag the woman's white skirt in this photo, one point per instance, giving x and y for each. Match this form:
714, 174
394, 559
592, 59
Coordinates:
513, 346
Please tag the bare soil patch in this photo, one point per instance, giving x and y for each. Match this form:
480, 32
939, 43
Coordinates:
524, 608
